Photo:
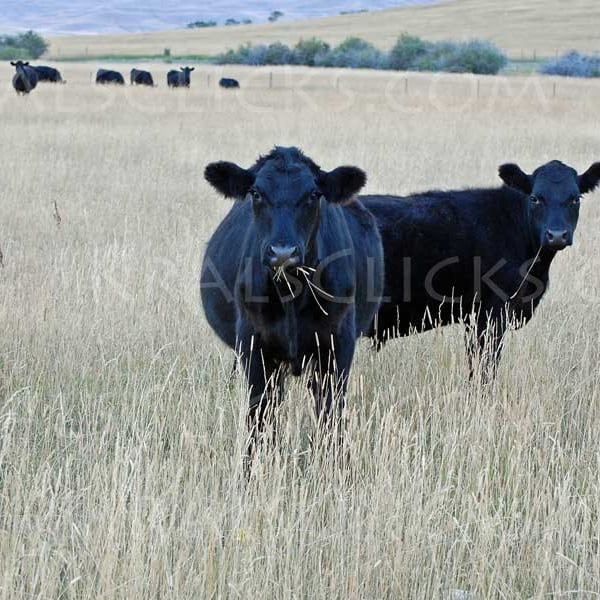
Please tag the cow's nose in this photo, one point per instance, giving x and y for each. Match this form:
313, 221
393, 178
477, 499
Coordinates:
557, 238
283, 256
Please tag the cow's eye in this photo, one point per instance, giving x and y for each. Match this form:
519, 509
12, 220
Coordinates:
536, 200
576, 200
255, 195
315, 196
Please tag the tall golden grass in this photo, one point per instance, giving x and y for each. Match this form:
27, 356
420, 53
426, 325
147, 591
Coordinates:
121, 436
543, 27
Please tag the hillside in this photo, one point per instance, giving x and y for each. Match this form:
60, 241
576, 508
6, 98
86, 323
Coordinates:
62, 17
540, 26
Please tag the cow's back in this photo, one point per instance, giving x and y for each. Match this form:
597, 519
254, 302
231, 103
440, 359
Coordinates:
435, 246
173, 78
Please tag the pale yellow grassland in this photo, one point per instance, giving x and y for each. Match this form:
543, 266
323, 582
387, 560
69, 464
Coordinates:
120, 437
540, 26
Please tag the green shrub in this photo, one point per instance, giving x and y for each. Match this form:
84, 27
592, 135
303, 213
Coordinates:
278, 54
12, 53
23, 45
306, 51
573, 64
478, 56
407, 50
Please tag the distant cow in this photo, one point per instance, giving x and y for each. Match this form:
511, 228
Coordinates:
227, 82
107, 76
49, 74
25, 78
479, 255
139, 77
179, 78
292, 276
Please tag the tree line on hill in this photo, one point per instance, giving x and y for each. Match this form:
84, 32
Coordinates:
410, 53
274, 16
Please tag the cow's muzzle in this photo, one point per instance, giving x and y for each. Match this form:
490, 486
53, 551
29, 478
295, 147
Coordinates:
282, 257
557, 239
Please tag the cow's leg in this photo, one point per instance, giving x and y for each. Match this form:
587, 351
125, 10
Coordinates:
485, 347
329, 378
265, 382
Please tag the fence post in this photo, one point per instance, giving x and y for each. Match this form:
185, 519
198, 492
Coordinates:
478, 88
554, 90
271, 79
406, 85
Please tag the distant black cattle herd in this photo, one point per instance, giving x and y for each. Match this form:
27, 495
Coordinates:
27, 77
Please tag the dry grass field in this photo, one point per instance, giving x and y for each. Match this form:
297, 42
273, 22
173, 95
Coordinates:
121, 437
520, 28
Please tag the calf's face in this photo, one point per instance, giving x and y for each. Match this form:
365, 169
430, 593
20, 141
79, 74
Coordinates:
19, 64
287, 192
186, 74
554, 191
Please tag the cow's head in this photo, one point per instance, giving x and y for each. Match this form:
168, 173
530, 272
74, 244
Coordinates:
19, 64
287, 191
554, 191
186, 73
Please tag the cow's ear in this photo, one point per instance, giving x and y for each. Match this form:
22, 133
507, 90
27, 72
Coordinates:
342, 184
514, 177
229, 179
589, 180
14, 64
193, 69
26, 63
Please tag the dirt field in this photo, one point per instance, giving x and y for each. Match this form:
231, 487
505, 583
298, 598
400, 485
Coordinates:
520, 28
120, 436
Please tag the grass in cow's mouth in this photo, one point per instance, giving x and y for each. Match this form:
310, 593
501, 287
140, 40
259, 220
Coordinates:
280, 274
307, 272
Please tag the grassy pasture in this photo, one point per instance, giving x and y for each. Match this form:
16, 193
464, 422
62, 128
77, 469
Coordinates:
120, 438
520, 28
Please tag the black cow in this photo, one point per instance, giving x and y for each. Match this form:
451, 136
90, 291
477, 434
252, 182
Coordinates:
104, 76
179, 78
49, 74
479, 255
25, 79
292, 276
228, 82
139, 77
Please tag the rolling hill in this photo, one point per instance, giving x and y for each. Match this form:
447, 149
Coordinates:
55, 17
543, 27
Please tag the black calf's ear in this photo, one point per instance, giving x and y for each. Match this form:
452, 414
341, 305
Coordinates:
589, 180
514, 177
229, 179
14, 64
342, 184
